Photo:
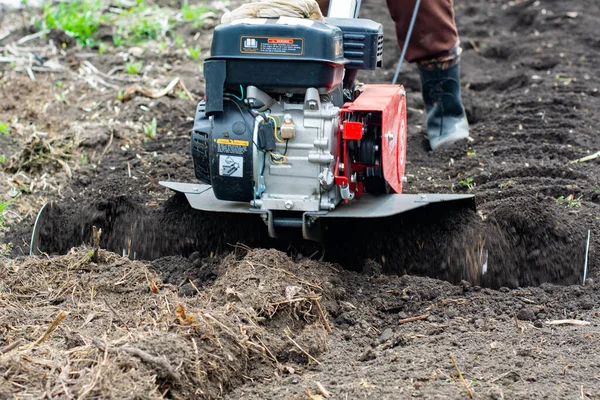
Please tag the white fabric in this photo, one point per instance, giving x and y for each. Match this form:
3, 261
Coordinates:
276, 8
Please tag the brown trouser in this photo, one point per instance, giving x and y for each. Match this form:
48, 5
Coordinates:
434, 36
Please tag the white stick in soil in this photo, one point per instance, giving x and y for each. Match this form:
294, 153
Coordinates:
587, 251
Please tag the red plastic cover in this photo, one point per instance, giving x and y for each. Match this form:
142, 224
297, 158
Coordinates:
391, 101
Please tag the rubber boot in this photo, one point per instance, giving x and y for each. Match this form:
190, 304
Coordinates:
446, 117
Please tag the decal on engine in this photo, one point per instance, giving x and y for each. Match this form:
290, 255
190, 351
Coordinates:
230, 146
272, 45
232, 166
233, 142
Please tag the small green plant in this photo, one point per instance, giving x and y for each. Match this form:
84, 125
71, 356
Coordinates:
570, 200
3, 208
133, 68
597, 189
4, 128
80, 18
135, 23
118, 40
193, 52
468, 183
150, 130
505, 185
84, 159
193, 14
142, 23
178, 39
2, 159
102, 48
61, 97
147, 28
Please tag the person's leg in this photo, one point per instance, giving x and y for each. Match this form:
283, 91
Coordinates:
435, 48
434, 33
324, 6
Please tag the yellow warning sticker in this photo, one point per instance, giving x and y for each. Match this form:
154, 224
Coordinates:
233, 142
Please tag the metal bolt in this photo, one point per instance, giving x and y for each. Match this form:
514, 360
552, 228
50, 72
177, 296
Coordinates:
289, 204
287, 118
376, 148
312, 104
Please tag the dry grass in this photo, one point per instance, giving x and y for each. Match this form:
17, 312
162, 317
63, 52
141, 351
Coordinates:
40, 154
70, 327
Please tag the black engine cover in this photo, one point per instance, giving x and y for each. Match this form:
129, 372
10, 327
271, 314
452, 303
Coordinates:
279, 57
223, 148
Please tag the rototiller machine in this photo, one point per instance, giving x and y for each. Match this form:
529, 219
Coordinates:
287, 133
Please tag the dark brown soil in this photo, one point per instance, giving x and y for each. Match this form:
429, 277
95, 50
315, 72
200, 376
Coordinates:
531, 90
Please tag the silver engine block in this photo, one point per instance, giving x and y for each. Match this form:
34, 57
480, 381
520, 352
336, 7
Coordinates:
303, 178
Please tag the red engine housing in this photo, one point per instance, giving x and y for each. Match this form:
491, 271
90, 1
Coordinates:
377, 114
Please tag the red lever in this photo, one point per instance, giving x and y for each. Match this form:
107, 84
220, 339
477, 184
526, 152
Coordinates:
353, 130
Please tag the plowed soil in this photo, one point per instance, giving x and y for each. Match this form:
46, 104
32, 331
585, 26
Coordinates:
383, 309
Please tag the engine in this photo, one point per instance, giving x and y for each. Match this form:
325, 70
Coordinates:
285, 127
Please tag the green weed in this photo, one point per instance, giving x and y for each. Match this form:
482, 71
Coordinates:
570, 200
150, 130
505, 185
193, 52
80, 19
4, 128
118, 40
133, 68
468, 183
2, 159
3, 208
132, 24
178, 39
61, 97
149, 28
142, 23
194, 14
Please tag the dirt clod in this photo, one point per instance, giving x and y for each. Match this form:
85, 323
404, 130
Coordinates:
526, 314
